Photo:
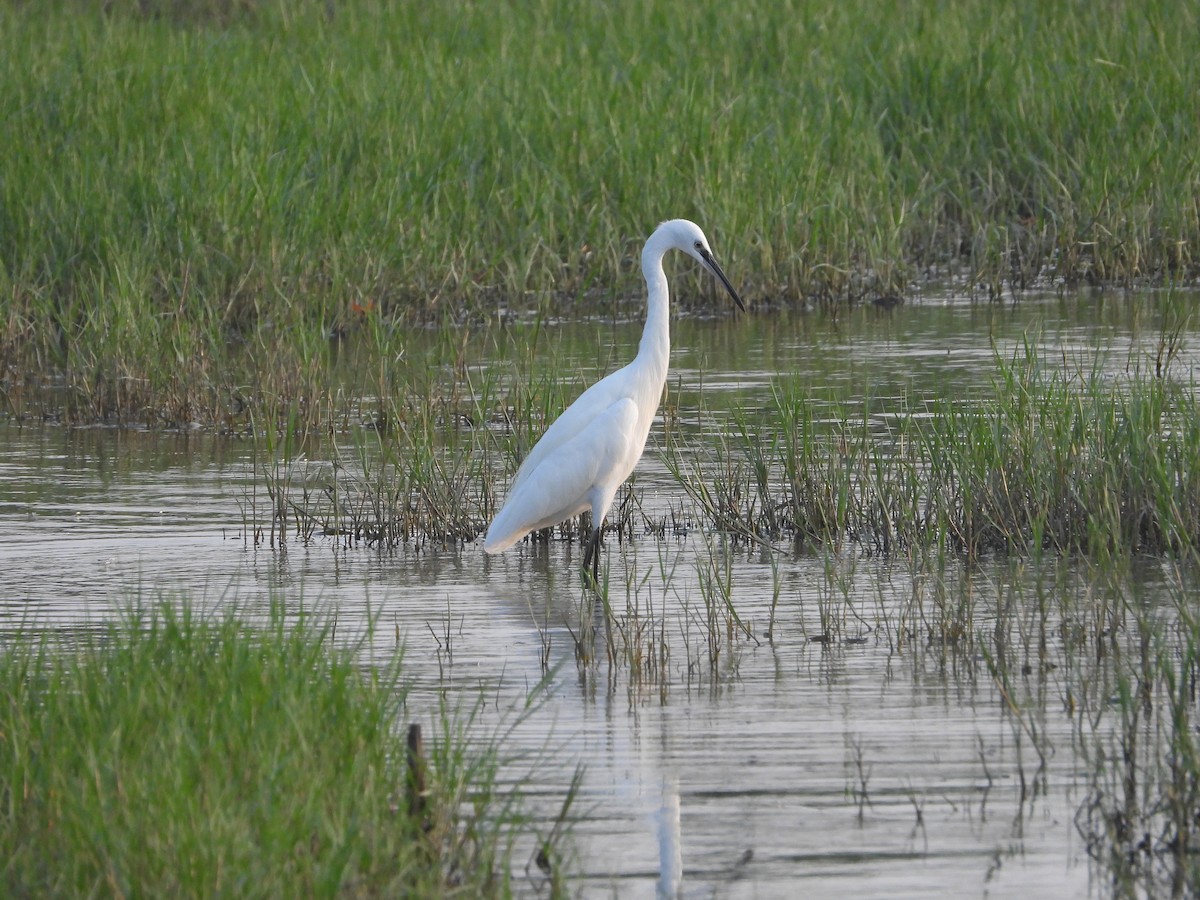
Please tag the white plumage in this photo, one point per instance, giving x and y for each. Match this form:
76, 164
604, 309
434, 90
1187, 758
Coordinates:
589, 451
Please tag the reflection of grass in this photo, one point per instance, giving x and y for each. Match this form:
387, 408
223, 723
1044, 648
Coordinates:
176, 754
1137, 713
1108, 649
203, 196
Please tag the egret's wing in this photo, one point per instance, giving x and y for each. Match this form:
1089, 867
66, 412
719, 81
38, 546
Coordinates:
577, 417
560, 484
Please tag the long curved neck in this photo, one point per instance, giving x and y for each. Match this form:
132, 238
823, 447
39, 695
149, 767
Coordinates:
655, 348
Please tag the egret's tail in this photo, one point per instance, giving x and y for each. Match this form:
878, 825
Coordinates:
501, 535
499, 544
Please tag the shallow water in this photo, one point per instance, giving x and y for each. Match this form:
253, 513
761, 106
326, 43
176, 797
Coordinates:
863, 767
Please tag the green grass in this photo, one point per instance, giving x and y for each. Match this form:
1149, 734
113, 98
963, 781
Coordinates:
1045, 459
196, 194
186, 754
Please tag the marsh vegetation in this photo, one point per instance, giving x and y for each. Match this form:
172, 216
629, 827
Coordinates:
1002, 531
371, 270
200, 197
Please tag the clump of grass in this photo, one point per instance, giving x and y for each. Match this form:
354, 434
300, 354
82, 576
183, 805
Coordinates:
421, 460
181, 753
416, 449
387, 495
1049, 460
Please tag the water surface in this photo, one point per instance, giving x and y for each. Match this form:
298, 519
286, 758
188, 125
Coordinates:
861, 766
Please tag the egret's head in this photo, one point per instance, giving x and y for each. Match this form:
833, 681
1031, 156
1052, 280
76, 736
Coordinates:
688, 237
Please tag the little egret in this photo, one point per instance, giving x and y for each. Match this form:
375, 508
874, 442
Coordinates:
594, 445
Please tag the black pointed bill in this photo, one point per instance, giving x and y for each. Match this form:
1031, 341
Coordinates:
716, 270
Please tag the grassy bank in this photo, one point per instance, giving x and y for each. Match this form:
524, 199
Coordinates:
196, 194
179, 754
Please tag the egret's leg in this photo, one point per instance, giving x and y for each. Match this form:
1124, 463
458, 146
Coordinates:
596, 540
592, 555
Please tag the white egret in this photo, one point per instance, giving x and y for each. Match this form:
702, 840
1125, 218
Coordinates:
589, 451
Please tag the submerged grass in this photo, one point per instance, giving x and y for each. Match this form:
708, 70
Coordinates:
1116, 652
1089, 665
199, 195
186, 753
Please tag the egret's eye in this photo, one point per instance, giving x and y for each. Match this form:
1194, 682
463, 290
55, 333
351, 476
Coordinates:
699, 246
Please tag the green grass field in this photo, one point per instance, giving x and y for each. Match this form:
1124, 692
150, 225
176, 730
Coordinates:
185, 180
